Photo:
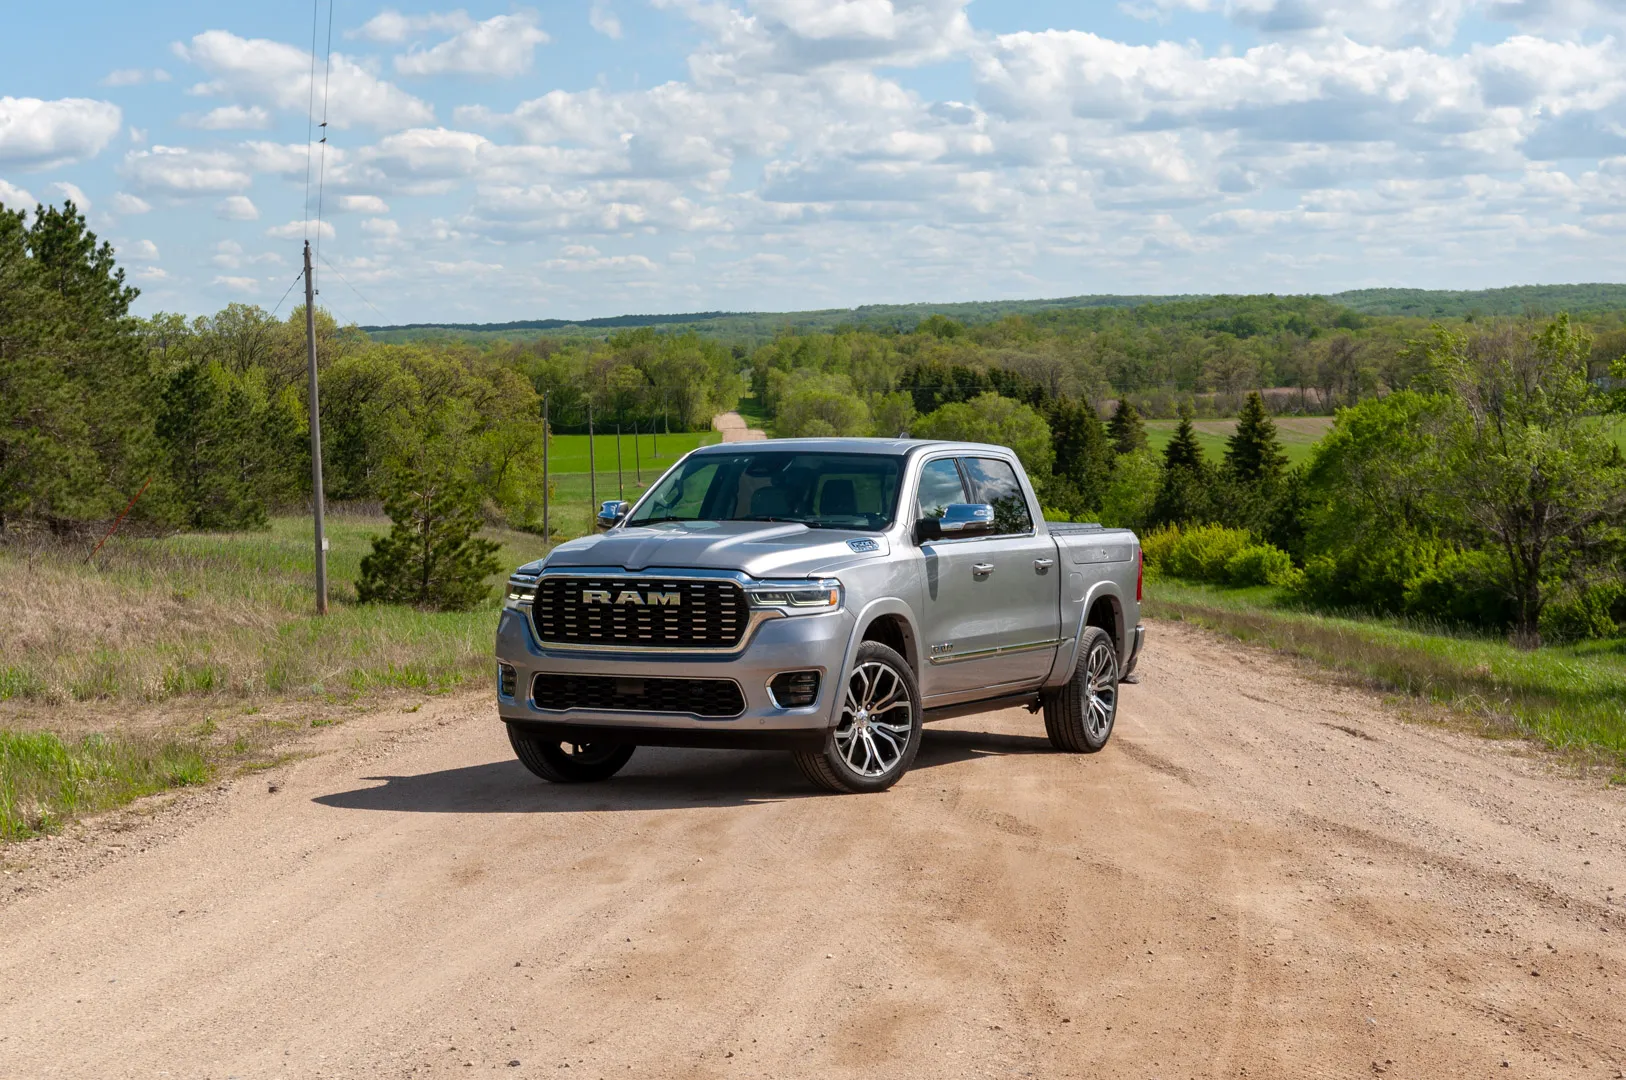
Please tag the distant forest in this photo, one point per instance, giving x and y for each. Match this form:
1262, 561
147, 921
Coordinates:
757, 327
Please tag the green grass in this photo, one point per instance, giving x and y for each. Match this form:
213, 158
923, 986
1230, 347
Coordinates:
1298, 435
45, 780
1618, 429
1569, 698
568, 453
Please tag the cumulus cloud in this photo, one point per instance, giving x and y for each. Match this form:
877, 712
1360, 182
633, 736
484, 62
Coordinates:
237, 208
125, 203
276, 75
602, 19
16, 198
183, 172
135, 76
149, 274
501, 46
392, 28
297, 230
1432, 22
363, 204
41, 134
232, 118
140, 251
383, 228
72, 191
238, 284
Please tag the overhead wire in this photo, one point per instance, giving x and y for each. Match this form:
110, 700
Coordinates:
327, 79
310, 121
353, 289
291, 285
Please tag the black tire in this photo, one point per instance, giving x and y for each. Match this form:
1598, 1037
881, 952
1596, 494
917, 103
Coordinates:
568, 763
884, 749
1079, 717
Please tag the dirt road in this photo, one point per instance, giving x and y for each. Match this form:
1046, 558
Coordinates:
1263, 876
734, 429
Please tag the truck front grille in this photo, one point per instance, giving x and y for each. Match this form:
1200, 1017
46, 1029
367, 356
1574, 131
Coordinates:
640, 612
702, 697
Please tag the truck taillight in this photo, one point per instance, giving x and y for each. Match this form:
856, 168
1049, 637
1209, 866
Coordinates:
1140, 574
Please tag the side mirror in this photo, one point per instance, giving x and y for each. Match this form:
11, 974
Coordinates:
967, 519
927, 530
612, 513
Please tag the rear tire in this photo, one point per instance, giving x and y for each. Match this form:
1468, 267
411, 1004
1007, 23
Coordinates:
1079, 717
878, 734
568, 763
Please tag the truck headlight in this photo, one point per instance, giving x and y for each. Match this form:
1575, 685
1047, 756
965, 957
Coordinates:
796, 597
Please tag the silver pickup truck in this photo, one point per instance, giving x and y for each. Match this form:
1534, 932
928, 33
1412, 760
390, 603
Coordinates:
822, 596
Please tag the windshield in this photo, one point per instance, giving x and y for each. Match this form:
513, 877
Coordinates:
837, 491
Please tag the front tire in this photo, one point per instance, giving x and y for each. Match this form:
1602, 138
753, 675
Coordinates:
568, 763
878, 735
1079, 717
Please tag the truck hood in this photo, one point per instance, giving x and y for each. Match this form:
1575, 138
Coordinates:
760, 549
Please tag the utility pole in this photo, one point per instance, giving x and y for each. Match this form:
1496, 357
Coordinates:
316, 438
637, 463
620, 489
592, 468
547, 533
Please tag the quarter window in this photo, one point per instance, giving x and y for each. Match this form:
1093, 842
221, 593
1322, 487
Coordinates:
994, 482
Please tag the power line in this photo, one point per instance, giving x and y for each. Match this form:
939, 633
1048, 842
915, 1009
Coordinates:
284, 299
327, 78
353, 289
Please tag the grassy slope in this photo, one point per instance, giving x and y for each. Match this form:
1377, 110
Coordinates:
1567, 697
1298, 435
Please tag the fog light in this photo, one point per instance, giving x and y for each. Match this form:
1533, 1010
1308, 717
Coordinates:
794, 689
506, 680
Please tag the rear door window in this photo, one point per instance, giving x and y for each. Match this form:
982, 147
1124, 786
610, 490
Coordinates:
939, 486
994, 482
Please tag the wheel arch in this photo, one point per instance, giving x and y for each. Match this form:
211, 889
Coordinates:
1103, 606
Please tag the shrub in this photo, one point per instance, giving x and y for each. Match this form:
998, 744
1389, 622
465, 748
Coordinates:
1460, 587
1261, 564
1582, 614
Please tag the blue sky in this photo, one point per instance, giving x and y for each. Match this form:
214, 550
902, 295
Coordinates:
577, 159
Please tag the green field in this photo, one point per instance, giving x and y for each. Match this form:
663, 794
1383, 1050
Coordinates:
1568, 697
1298, 435
655, 453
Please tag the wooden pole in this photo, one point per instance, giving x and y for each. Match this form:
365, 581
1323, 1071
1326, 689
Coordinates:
592, 468
316, 438
620, 488
547, 531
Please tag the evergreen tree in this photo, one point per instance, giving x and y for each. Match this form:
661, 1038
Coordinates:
432, 557
1253, 455
1083, 456
1184, 451
1125, 429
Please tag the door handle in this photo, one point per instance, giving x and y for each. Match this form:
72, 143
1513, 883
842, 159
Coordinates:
1043, 564
982, 569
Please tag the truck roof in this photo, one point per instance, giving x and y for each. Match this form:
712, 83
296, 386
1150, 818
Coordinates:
848, 446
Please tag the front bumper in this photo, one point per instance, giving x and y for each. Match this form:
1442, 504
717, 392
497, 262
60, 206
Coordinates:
793, 643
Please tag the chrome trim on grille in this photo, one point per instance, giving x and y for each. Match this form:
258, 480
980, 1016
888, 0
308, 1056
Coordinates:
999, 650
755, 619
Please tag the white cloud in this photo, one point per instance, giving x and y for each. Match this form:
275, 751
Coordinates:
363, 204
237, 208
392, 28
182, 172
238, 284
501, 46
72, 191
141, 251
602, 19
135, 76
1433, 22
297, 230
16, 198
383, 228
278, 75
232, 118
125, 203
150, 273
40, 134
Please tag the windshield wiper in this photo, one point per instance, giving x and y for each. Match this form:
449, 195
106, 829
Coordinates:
658, 521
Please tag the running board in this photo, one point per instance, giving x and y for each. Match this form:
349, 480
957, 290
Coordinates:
1028, 699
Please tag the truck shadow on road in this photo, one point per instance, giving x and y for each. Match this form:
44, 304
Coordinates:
657, 778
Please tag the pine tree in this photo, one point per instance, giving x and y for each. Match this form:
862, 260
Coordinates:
432, 557
1083, 455
1253, 455
1184, 451
1125, 429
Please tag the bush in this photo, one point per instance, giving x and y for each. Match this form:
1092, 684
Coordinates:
1461, 587
1261, 564
1582, 614
1197, 553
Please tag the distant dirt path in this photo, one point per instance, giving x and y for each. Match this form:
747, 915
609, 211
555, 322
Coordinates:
732, 425
1263, 874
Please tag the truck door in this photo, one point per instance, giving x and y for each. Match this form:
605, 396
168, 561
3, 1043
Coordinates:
991, 603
